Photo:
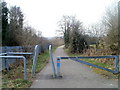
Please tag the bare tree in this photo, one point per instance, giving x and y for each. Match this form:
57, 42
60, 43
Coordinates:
65, 25
110, 20
72, 30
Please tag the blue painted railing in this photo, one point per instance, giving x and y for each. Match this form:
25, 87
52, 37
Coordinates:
116, 63
17, 57
18, 50
8, 51
7, 56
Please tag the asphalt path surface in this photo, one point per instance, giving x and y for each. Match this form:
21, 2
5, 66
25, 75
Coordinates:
75, 75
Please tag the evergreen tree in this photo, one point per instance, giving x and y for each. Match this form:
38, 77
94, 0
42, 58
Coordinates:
16, 25
4, 23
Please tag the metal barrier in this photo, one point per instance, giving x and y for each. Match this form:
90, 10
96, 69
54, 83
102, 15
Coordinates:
35, 55
29, 53
5, 49
18, 57
16, 53
34, 60
116, 63
52, 61
58, 67
9, 50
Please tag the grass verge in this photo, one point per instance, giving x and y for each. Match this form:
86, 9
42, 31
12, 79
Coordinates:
104, 73
14, 77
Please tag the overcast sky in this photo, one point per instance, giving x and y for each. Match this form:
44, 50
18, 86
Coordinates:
43, 15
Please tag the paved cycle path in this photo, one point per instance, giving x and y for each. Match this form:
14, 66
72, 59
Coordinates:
75, 75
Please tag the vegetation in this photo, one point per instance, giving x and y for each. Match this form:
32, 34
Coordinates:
102, 38
110, 21
104, 35
15, 32
14, 77
42, 60
4, 21
72, 30
56, 41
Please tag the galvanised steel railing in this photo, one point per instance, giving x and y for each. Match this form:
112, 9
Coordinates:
52, 61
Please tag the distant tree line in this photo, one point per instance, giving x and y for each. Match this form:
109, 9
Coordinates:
13, 30
56, 41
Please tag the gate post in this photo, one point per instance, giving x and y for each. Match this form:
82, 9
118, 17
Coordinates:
52, 61
58, 67
116, 64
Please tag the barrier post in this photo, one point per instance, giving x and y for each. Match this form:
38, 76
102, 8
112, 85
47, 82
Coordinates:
34, 60
58, 66
116, 64
24, 59
7, 63
51, 57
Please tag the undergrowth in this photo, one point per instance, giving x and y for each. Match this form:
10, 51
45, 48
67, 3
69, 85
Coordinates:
14, 77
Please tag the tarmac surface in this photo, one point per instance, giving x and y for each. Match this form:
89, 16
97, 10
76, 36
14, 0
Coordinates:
75, 75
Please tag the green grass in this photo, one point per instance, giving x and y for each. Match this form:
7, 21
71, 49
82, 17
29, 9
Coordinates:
42, 60
105, 65
97, 70
17, 83
14, 77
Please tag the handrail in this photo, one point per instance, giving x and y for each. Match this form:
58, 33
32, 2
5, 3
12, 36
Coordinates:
24, 59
